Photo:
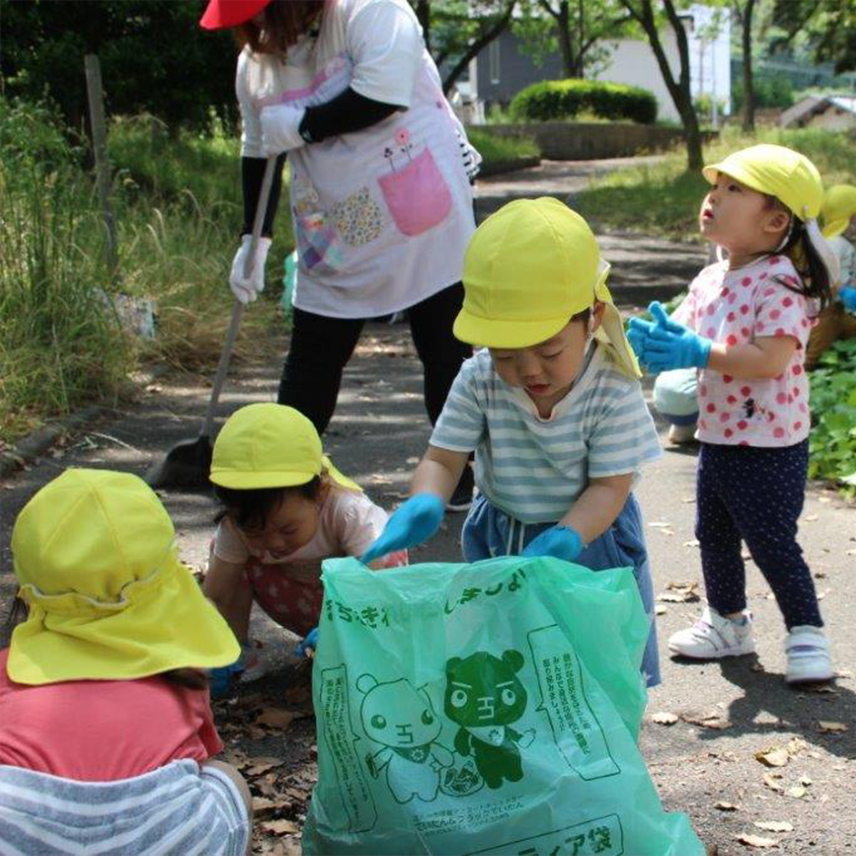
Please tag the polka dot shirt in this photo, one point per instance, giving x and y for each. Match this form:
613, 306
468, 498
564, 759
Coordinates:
735, 308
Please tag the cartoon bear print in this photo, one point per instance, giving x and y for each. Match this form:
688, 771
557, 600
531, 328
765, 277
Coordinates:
402, 719
483, 696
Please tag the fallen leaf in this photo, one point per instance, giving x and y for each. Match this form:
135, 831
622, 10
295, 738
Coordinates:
726, 806
756, 840
692, 543
688, 500
276, 717
826, 727
680, 592
262, 805
773, 757
664, 718
844, 673
279, 827
810, 518
806, 780
774, 825
797, 792
796, 745
711, 720
659, 524
772, 784
659, 609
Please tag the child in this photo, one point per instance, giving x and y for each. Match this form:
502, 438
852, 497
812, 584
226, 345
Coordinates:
106, 732
552, 408
285, 509
744, 325
836, 321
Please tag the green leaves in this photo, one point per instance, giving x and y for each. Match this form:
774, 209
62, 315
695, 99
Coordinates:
833, 403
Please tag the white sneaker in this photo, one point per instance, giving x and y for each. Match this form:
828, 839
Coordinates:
682, 434
714, 636
808, 656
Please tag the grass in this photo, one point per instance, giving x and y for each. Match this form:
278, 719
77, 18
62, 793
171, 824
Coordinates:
177, 204
664, 199
494, 149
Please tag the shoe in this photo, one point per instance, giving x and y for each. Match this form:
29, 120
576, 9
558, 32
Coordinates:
808, 656
462, 498
714, 636
251, 663
682, 434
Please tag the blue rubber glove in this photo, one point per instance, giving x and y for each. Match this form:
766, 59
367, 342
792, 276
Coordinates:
308, 643
847, 295
413, 522
638, 331
558, 541
672, 346
220, 680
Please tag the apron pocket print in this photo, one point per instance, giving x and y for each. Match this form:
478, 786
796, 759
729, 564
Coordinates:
319, 248
358, 218
417, 195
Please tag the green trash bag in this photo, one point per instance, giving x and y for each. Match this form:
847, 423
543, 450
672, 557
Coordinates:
490, 708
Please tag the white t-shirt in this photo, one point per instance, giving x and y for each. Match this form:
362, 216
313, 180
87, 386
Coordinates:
381, 216
846, 259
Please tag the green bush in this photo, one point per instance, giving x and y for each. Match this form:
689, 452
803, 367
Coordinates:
769, 92
564, 99
833, 404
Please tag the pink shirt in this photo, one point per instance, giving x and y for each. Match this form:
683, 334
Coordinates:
102, 731
734, 308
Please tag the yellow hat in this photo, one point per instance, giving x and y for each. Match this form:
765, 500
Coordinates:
778, 171
270, 445
839, 205
530, 267
94, 553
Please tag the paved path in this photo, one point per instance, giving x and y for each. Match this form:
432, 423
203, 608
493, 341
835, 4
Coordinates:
377, 435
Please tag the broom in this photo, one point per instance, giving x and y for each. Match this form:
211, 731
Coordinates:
187, 464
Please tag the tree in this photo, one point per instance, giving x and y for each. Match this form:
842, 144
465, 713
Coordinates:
829, 27
456, 31
744, 12
153, 55
642, 12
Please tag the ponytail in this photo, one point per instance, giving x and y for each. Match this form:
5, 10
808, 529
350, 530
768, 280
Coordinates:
816, 280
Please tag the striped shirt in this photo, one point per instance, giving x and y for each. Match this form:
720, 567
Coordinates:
181, 808
532, 468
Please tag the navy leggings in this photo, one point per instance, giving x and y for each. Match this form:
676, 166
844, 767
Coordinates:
754, 494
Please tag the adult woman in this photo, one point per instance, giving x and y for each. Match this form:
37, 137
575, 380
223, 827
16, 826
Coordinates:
380, 188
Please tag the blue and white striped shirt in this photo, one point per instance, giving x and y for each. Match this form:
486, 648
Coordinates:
534, 468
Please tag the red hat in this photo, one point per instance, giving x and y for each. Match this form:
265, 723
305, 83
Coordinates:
230, 13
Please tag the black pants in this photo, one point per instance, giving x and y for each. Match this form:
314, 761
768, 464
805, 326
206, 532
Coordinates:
321, 347
755, 495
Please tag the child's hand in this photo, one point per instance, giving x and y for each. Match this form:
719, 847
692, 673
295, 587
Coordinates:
307, 644
558, 541
669, 345
413, 522
847, 295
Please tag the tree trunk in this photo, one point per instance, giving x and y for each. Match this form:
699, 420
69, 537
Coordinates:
423, 13
748, 82
566, 45
678, 89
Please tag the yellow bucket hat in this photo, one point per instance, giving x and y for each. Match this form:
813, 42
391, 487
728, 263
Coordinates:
530, 267
778, 171
839, 205
270, 445
94, 553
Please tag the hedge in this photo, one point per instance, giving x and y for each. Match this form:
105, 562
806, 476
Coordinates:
564, 99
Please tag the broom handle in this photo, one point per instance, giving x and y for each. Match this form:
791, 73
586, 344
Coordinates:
238, 307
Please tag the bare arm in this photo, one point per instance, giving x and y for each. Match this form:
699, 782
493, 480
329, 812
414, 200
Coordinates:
598, 506
439, 472
765, 357
224, 585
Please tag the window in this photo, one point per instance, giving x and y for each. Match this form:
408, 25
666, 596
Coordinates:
493, 60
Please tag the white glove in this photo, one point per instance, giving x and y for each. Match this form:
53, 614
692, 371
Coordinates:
280, 129
247, 289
